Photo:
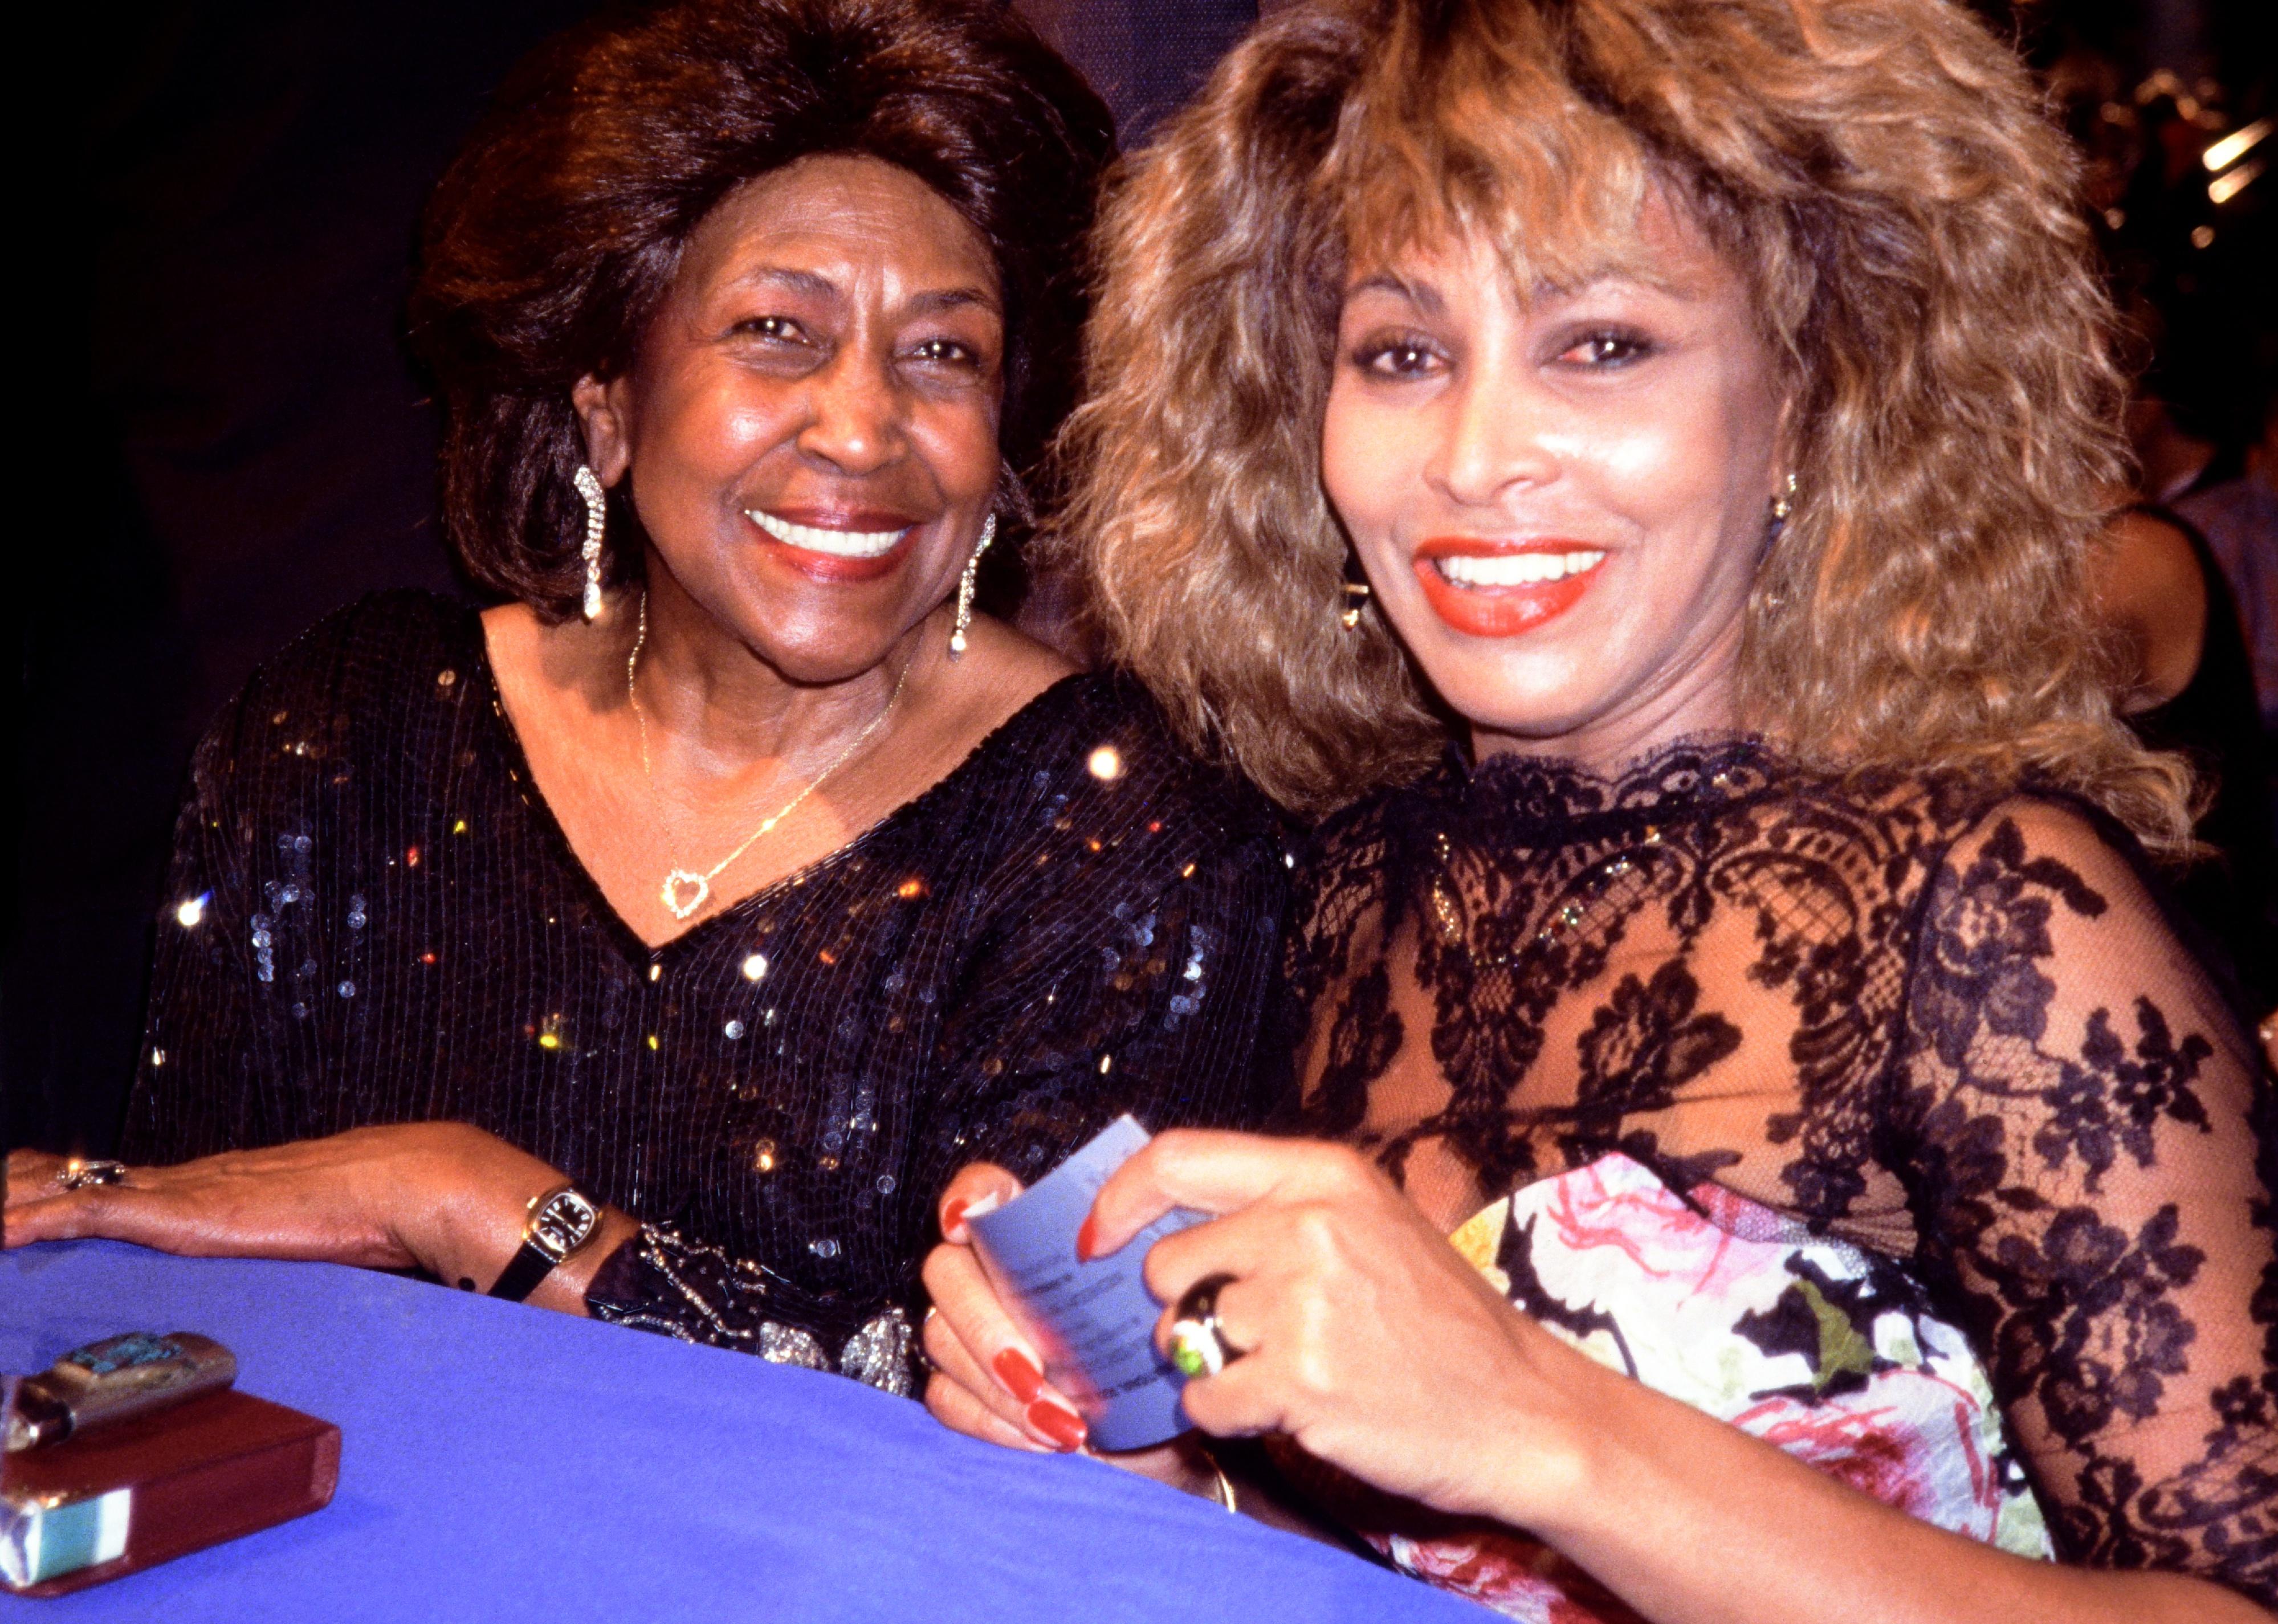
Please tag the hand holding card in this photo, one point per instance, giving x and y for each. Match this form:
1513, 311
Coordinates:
1093, 1322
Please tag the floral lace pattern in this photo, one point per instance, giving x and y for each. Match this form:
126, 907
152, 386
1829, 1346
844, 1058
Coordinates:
1937, 1023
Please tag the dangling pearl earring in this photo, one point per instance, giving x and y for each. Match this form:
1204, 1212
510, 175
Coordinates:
596, 517
1784, 504
965, 588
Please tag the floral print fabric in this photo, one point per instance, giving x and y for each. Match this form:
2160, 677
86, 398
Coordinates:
1828, 1352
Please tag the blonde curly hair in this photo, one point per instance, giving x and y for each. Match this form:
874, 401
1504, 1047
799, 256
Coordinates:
1880, 174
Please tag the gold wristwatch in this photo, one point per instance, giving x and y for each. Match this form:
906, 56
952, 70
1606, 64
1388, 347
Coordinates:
561, 1221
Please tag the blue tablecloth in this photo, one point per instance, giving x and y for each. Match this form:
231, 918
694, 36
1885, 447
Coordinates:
502, 1463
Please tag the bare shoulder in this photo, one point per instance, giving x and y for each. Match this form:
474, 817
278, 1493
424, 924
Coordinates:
2152, 591
1008, 670
2150, 557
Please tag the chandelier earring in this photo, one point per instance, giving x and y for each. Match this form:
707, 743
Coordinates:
966, 586
596, 520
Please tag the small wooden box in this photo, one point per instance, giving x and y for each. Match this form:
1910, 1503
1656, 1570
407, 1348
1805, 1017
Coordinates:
217, 1467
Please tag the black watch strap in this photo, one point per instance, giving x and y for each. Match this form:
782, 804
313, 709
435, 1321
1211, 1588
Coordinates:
532, 1262
529, 1266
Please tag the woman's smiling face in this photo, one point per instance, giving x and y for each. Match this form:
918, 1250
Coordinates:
811, 425
1559, 502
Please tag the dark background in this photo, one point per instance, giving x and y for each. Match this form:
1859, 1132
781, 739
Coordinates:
242, 445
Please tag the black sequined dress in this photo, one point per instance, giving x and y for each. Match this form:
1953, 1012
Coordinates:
1938, 1025
373, 918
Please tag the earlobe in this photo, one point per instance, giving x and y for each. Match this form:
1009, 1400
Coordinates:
1784, 449
600, 411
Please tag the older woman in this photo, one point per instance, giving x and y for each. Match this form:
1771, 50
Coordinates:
734, 874
1853, 1183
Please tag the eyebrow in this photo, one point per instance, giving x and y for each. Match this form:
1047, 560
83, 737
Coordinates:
816, 285
1424, 296
952, 298
797, 282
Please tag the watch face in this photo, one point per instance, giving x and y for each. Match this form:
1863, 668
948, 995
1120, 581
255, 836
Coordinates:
562, 1225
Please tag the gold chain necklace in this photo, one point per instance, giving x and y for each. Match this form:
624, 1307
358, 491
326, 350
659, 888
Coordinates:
683, 890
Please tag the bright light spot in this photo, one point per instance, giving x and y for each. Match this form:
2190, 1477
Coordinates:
2222, 188
909, 889
548, 1040
1105, 763
755, 966
2235, 146
192, 914
651, 1039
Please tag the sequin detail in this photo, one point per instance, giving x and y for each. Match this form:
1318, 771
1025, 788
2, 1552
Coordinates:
793, 1079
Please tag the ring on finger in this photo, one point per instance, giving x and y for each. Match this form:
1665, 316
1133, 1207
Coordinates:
1198, 1345
77, 1174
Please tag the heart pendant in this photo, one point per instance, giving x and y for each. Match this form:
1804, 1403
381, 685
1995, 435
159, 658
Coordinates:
684, 893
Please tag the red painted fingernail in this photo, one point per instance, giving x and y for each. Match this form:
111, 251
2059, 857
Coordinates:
951, 1216
1065, 1428
1085, 1237
1019, 1374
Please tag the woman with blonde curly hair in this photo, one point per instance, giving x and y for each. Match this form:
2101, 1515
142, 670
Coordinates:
1851, 1180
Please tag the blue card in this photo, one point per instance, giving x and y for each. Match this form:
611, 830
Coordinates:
1093, 1322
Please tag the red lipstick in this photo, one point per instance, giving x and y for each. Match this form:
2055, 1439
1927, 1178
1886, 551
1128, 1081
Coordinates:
832, 568
1501, 610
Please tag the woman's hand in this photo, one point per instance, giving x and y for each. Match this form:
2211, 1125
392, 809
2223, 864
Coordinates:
1370, 1339
989, 1382
444, 1197
1365, 1336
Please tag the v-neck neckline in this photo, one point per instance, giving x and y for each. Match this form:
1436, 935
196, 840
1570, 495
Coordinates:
630, 944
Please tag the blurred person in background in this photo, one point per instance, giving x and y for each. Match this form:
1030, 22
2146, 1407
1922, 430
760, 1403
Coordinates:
2239, 519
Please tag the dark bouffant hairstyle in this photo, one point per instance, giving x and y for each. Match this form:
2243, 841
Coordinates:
553, 239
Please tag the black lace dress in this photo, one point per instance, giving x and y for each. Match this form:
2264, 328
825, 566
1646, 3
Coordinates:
373, 918
1941, 1032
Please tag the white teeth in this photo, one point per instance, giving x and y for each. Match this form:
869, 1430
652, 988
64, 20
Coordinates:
1515, 569
840, 543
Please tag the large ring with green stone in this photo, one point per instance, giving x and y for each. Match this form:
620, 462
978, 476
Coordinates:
1198, 1348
